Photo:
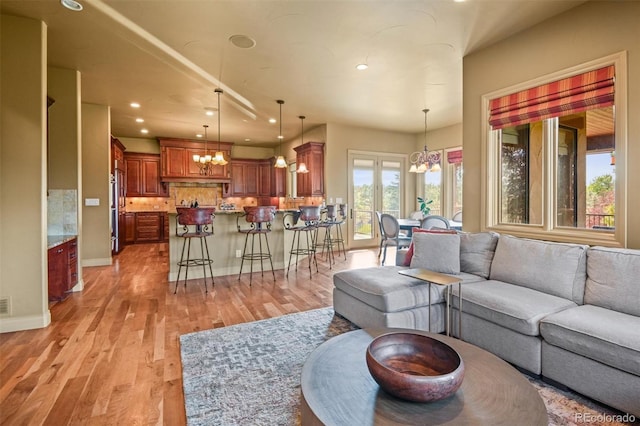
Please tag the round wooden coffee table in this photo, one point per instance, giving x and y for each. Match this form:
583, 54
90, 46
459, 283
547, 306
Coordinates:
337, 389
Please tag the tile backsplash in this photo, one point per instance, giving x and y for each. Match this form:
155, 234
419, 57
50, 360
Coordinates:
62, 212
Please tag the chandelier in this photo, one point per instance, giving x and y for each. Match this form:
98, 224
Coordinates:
425, 161
280, 161
206, 162
302, 168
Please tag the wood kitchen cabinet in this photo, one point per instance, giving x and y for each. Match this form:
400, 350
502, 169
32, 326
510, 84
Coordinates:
311, 184
129, 228
278, 180
62, 269
146, 227
177, 163
244, 178
143, 175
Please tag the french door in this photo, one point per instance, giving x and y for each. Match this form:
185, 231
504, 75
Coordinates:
376, 182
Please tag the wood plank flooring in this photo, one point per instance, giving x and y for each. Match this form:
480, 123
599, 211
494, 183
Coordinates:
111, 355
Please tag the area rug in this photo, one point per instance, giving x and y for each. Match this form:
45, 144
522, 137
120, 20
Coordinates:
249, 374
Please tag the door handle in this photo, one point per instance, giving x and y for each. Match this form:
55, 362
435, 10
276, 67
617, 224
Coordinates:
351, 213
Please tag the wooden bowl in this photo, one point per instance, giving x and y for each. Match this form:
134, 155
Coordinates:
415, 367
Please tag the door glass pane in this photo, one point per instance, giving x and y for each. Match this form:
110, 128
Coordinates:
391, 187
585, 170
521, 174
363, 209
457, 187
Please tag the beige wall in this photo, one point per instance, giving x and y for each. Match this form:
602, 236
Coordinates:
23, 212
96, 143
64, 127
591, 31
343, 138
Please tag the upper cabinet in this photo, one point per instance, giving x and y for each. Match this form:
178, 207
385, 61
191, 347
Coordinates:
143, 175
256, 178
177, 163
310, 184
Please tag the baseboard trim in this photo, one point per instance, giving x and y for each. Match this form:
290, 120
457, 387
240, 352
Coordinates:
27, 322
106, 261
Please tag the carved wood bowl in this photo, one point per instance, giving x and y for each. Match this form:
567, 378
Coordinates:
415, 367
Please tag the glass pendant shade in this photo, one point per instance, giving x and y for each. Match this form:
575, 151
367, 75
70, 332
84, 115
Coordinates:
281, 163
302, 168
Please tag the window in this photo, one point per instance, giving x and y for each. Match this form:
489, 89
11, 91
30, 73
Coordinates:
551, 165
433, 189
455, 171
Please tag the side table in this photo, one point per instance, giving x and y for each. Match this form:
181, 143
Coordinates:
440, 279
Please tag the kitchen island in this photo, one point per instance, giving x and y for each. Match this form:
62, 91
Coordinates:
226, 242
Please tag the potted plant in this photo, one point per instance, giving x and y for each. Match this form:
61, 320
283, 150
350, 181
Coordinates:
424, 206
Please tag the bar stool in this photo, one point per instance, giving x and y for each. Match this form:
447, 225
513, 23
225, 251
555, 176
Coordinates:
327, 224
194, 223
310, 215
259, 219
339, 221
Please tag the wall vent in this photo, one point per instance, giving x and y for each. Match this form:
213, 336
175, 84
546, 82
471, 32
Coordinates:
5, 305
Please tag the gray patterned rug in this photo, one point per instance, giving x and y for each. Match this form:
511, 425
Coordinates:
249, 374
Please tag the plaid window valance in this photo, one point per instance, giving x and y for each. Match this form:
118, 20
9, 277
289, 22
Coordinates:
593, 89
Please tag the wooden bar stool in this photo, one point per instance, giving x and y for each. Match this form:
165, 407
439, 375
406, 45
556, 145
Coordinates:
195, 223
259, 219
310, 216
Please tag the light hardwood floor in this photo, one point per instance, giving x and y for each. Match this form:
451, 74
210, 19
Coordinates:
111, 355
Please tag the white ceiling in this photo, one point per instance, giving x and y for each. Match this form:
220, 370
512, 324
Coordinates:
170, 55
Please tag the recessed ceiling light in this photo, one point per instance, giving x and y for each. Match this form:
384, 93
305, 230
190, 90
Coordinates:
361, 67
139, 120
71, 5
272, 120
209, 113
145, 131
134, 105
198, 135
247, 140
242, 41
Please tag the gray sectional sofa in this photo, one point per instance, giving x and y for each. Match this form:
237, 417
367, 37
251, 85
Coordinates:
567, 312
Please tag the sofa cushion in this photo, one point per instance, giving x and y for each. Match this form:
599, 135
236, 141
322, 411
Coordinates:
385, 289
558, 269
597, 333
437, 252
476, 252
409, 254
612, 279
514, 307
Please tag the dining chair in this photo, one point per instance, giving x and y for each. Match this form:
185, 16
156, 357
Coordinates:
457, 217
390, 232
435, 221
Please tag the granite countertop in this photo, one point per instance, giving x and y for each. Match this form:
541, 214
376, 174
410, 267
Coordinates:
56, 240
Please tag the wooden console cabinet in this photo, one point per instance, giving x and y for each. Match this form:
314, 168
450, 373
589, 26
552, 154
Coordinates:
311, 184
62, 269
143, 175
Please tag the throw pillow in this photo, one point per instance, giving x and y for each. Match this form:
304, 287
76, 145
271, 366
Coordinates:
476, 252
437, 252
409, 255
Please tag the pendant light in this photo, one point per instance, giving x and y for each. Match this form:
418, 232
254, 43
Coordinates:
204, 161
219, 157
302, 168
425, 161
280, 161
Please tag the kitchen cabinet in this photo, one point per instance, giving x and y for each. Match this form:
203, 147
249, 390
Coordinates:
278, 180
177, 165
310, 184
244, 178
62, 269
143, 175
264, 178
130, 228
146, 227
